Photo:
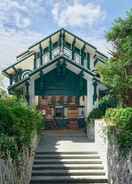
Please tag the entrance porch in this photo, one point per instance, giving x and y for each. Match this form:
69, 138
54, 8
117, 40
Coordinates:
63, 111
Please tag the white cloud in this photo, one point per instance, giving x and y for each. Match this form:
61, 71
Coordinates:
13, 43
101, 44
76, 13
16, 34
18, 14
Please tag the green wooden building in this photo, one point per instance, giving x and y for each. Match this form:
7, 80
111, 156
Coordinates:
58, 75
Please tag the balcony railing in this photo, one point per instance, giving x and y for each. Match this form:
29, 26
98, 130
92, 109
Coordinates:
46, 58
56, 52
68, 53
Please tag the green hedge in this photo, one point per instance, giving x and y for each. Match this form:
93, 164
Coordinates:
104, 103
18, 123
120, 120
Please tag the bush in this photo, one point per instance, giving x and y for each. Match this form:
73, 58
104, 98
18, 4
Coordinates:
95, 114
18, 123
120, 120
104, 103
107, 102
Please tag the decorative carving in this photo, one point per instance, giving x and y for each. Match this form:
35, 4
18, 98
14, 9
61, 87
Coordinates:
25, 74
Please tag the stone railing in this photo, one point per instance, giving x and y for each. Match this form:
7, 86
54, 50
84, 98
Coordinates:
18, 172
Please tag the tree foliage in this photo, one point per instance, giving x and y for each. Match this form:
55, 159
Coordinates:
116, 73
119, 121
18, 123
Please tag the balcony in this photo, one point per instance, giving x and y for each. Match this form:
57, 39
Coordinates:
57, 52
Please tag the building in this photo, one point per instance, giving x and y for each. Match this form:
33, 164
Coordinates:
58, 75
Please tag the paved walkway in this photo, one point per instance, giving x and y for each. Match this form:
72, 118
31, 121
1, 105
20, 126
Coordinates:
67, 140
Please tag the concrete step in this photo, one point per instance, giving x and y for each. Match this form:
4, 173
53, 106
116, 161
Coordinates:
68, 179
68, 161
70, 172
66, 153
67, 156
68, 166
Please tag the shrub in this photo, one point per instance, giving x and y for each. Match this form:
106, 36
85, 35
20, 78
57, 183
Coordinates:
104, 103
120, 120
95, 114
18, 123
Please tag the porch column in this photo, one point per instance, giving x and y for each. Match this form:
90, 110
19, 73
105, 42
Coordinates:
90, 92
33, 100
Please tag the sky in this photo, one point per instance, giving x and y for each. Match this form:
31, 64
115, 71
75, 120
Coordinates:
23, 22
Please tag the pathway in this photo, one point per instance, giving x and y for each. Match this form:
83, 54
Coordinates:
67, 157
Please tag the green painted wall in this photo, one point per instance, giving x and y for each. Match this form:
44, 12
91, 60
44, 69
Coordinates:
59, 82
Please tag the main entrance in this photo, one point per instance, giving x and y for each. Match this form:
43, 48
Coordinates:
62, 111
62, 100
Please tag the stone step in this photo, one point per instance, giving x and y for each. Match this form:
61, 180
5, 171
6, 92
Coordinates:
68, 172
66, 153
68, 161
68, 179
67, 156
68, 166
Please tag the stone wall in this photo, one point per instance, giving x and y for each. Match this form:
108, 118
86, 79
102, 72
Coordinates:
119, 167
18, 172
101, 141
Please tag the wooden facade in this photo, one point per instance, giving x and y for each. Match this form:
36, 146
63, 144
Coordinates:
58, 75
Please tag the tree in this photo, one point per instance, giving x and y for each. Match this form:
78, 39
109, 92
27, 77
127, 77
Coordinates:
116, 73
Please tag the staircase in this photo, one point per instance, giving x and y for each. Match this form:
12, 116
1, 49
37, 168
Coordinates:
68, 167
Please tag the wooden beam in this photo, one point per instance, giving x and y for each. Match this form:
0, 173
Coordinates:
27, 91
41, 54
62, 42
50, 48
35, 60
73, 44
95, 90
82, 54
88, 60
11, 80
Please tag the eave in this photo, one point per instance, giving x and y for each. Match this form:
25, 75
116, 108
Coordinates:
51, 63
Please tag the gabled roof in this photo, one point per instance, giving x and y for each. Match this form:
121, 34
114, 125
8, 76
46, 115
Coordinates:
54, 62
26, 59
